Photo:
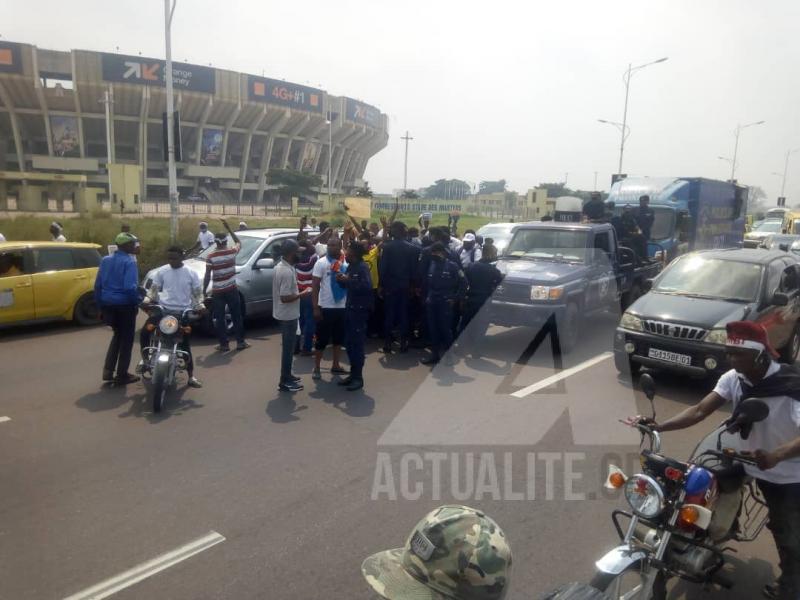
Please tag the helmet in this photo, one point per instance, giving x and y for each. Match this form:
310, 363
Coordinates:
454, 553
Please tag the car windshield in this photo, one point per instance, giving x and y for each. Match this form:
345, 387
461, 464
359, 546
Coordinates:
770, 227
663, 224
550, 244
249, 245
500, 235
699, 276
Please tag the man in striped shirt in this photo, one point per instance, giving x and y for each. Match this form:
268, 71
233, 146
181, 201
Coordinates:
221, 271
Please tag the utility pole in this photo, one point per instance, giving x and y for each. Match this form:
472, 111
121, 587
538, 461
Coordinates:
595, 181
108, 101
173, 177
330, 155
407, 139
736, 133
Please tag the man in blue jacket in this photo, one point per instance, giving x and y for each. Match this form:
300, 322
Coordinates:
116, 291
445, 286
360, 302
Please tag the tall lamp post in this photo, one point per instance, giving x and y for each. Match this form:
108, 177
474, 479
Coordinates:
626, 79
785, 170
407, 139
169, 11
330, 154
736, 133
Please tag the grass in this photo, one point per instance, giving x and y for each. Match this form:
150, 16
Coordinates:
102, 227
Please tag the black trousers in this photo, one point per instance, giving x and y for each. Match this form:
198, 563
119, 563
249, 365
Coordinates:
122, 320
783, 502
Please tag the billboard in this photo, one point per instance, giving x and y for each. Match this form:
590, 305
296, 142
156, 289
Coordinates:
211, 148
151, 71
310, 152
272, 91
10, 57
64, 133
358, 112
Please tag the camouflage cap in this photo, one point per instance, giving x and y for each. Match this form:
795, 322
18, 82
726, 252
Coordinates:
454, 553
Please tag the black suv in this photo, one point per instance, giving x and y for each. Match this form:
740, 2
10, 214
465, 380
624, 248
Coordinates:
680, 323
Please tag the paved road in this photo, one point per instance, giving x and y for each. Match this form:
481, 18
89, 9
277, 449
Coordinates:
303, 488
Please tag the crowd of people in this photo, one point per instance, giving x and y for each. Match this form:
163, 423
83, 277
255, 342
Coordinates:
419, 286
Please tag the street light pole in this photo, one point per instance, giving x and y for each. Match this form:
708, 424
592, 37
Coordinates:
736, 133
330, 155
407, 139
786, 169
626, 79
108, 100
172, 175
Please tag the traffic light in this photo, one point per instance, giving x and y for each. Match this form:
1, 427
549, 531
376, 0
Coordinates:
176, 135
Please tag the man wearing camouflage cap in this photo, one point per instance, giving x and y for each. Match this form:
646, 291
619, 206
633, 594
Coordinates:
454, 553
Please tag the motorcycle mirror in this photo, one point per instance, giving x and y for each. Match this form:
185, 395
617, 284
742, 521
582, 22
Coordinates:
648, 386
746, 413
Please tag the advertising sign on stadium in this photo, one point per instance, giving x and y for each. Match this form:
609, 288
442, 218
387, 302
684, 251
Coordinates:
272, 91
64, 131
10, 57
359, 112
211, 149
151, 71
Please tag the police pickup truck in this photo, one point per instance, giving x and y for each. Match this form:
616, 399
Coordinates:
558, 273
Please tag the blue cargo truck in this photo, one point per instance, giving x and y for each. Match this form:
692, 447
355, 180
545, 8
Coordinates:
691, 213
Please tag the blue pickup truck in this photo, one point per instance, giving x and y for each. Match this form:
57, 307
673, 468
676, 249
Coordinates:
558, 273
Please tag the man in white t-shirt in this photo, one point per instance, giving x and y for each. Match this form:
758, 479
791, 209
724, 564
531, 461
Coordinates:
204, 237
176, 288
774, 442
329, 300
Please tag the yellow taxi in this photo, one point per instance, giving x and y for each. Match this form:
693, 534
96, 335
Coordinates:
47, 281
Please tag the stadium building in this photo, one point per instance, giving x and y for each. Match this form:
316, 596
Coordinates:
234, 127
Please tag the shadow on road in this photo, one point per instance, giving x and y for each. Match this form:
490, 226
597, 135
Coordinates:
108, 397
283, 408
111, 398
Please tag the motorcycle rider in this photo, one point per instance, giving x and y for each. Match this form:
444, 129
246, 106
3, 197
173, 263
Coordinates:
176, 288
774, 442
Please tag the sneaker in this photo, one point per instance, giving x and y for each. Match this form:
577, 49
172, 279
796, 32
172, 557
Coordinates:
316, 375
222, 348
108, 375
126, 379
431, 360
356, 384
194, 382
242, 346
345, 381
292, 386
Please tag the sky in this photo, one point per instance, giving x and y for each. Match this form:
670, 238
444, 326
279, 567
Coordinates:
502, 89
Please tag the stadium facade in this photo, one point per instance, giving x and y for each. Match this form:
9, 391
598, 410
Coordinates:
54, 107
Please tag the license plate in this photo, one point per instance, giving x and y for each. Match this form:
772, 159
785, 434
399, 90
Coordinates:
673, 357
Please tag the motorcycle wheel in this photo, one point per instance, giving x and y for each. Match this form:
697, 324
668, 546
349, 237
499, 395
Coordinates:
159, 385
624, 585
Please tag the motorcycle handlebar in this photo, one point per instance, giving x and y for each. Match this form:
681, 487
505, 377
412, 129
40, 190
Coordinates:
731, 454
644, 429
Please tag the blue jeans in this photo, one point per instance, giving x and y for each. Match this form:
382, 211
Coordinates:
233, 301
395, 313
288, 337
440, 324
355, 325
308, 325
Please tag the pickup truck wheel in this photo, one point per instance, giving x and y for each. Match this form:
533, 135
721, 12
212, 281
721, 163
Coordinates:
790, 350
568, 327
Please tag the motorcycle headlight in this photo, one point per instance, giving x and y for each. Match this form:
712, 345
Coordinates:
545, 292
168, 325
645, 496
632, 322
716, 336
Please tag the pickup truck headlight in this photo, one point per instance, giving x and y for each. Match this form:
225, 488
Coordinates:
716, 336
545, 292
632, 322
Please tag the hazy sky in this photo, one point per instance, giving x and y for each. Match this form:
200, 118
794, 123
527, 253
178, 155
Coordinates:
497, 89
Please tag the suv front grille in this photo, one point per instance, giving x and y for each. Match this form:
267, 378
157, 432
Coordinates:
682, 332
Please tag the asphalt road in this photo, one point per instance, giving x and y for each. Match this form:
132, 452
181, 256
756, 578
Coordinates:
303, 488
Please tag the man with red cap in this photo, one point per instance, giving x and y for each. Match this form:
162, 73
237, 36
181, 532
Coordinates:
774, 442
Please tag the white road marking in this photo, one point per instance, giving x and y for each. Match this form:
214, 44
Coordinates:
4, 419
146, 569
547, 382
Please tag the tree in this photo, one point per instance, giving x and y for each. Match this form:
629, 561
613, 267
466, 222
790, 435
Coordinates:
492, 187
364, 192
448, 188
293, 183
410, 195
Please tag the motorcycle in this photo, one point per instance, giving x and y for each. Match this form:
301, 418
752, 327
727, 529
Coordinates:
163, 358
683, 513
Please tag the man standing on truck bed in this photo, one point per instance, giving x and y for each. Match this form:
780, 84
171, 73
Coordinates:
645, 217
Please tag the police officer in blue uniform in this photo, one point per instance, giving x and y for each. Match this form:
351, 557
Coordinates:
360, 302
397, 269
445, 286
482, 277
